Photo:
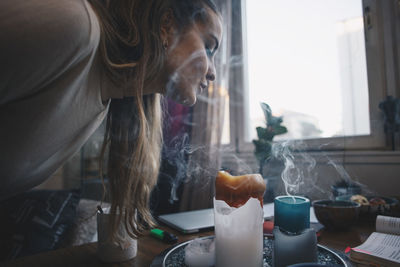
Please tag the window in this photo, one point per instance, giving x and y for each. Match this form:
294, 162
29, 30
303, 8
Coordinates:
316, 63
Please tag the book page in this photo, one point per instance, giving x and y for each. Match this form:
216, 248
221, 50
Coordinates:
386, 224
381, 245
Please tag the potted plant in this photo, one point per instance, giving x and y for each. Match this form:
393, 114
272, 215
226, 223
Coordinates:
263, 151
263, 146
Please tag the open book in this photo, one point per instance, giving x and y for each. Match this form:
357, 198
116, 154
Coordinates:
382, 248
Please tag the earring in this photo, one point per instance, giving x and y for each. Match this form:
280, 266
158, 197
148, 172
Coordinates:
165, 44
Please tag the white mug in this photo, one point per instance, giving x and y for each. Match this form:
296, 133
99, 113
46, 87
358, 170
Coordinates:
113, 251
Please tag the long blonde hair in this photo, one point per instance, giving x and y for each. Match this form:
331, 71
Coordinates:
132, 54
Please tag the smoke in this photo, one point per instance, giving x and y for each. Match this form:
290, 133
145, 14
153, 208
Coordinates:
236, 61
237, 166
346, 177
208, 100
176, 153
187, 164
299, 174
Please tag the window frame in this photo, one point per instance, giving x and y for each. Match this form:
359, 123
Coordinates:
383, 60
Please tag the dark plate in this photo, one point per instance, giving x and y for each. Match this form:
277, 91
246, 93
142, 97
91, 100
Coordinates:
175, 256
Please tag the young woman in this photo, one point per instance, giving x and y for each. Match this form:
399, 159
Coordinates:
65, 65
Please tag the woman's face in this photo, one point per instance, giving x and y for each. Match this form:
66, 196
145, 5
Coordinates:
189, 64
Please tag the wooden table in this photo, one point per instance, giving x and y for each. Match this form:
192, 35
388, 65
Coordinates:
149, 248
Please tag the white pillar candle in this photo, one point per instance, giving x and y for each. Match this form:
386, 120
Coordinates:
239, 234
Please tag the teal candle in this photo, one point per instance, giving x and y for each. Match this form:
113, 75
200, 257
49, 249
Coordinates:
292, 213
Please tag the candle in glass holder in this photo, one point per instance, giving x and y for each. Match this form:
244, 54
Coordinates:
292, 232
292, 213
238, 218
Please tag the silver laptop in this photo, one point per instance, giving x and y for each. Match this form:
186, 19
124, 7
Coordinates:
194, 221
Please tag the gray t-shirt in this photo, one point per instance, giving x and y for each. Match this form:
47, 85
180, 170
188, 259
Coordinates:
50, 88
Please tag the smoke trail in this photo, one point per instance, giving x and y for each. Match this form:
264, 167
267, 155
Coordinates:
237, 166
299, 175
346, 177
176, 153
177, 77
187, 162
236, 61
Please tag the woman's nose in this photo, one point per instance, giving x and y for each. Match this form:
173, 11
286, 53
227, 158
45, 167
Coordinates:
210, 76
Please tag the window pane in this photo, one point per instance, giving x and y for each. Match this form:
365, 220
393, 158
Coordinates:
306, 59
226, 135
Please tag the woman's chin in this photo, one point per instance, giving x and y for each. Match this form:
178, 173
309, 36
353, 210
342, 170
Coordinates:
181, 94
187, 100
184, 99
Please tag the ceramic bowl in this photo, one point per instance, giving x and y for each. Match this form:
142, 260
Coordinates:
336, 214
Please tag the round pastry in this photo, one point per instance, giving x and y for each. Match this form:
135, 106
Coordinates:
377, 201
360, 199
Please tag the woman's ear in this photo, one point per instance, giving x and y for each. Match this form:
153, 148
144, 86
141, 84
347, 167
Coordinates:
167, 24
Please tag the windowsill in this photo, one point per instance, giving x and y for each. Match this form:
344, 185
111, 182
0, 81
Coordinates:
368, 156
347, 157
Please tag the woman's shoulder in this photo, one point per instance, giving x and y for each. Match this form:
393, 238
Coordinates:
41, 39
51, 24
77, 22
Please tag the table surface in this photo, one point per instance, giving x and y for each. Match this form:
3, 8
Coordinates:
149, 248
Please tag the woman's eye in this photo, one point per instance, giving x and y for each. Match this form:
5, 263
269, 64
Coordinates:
209, 51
